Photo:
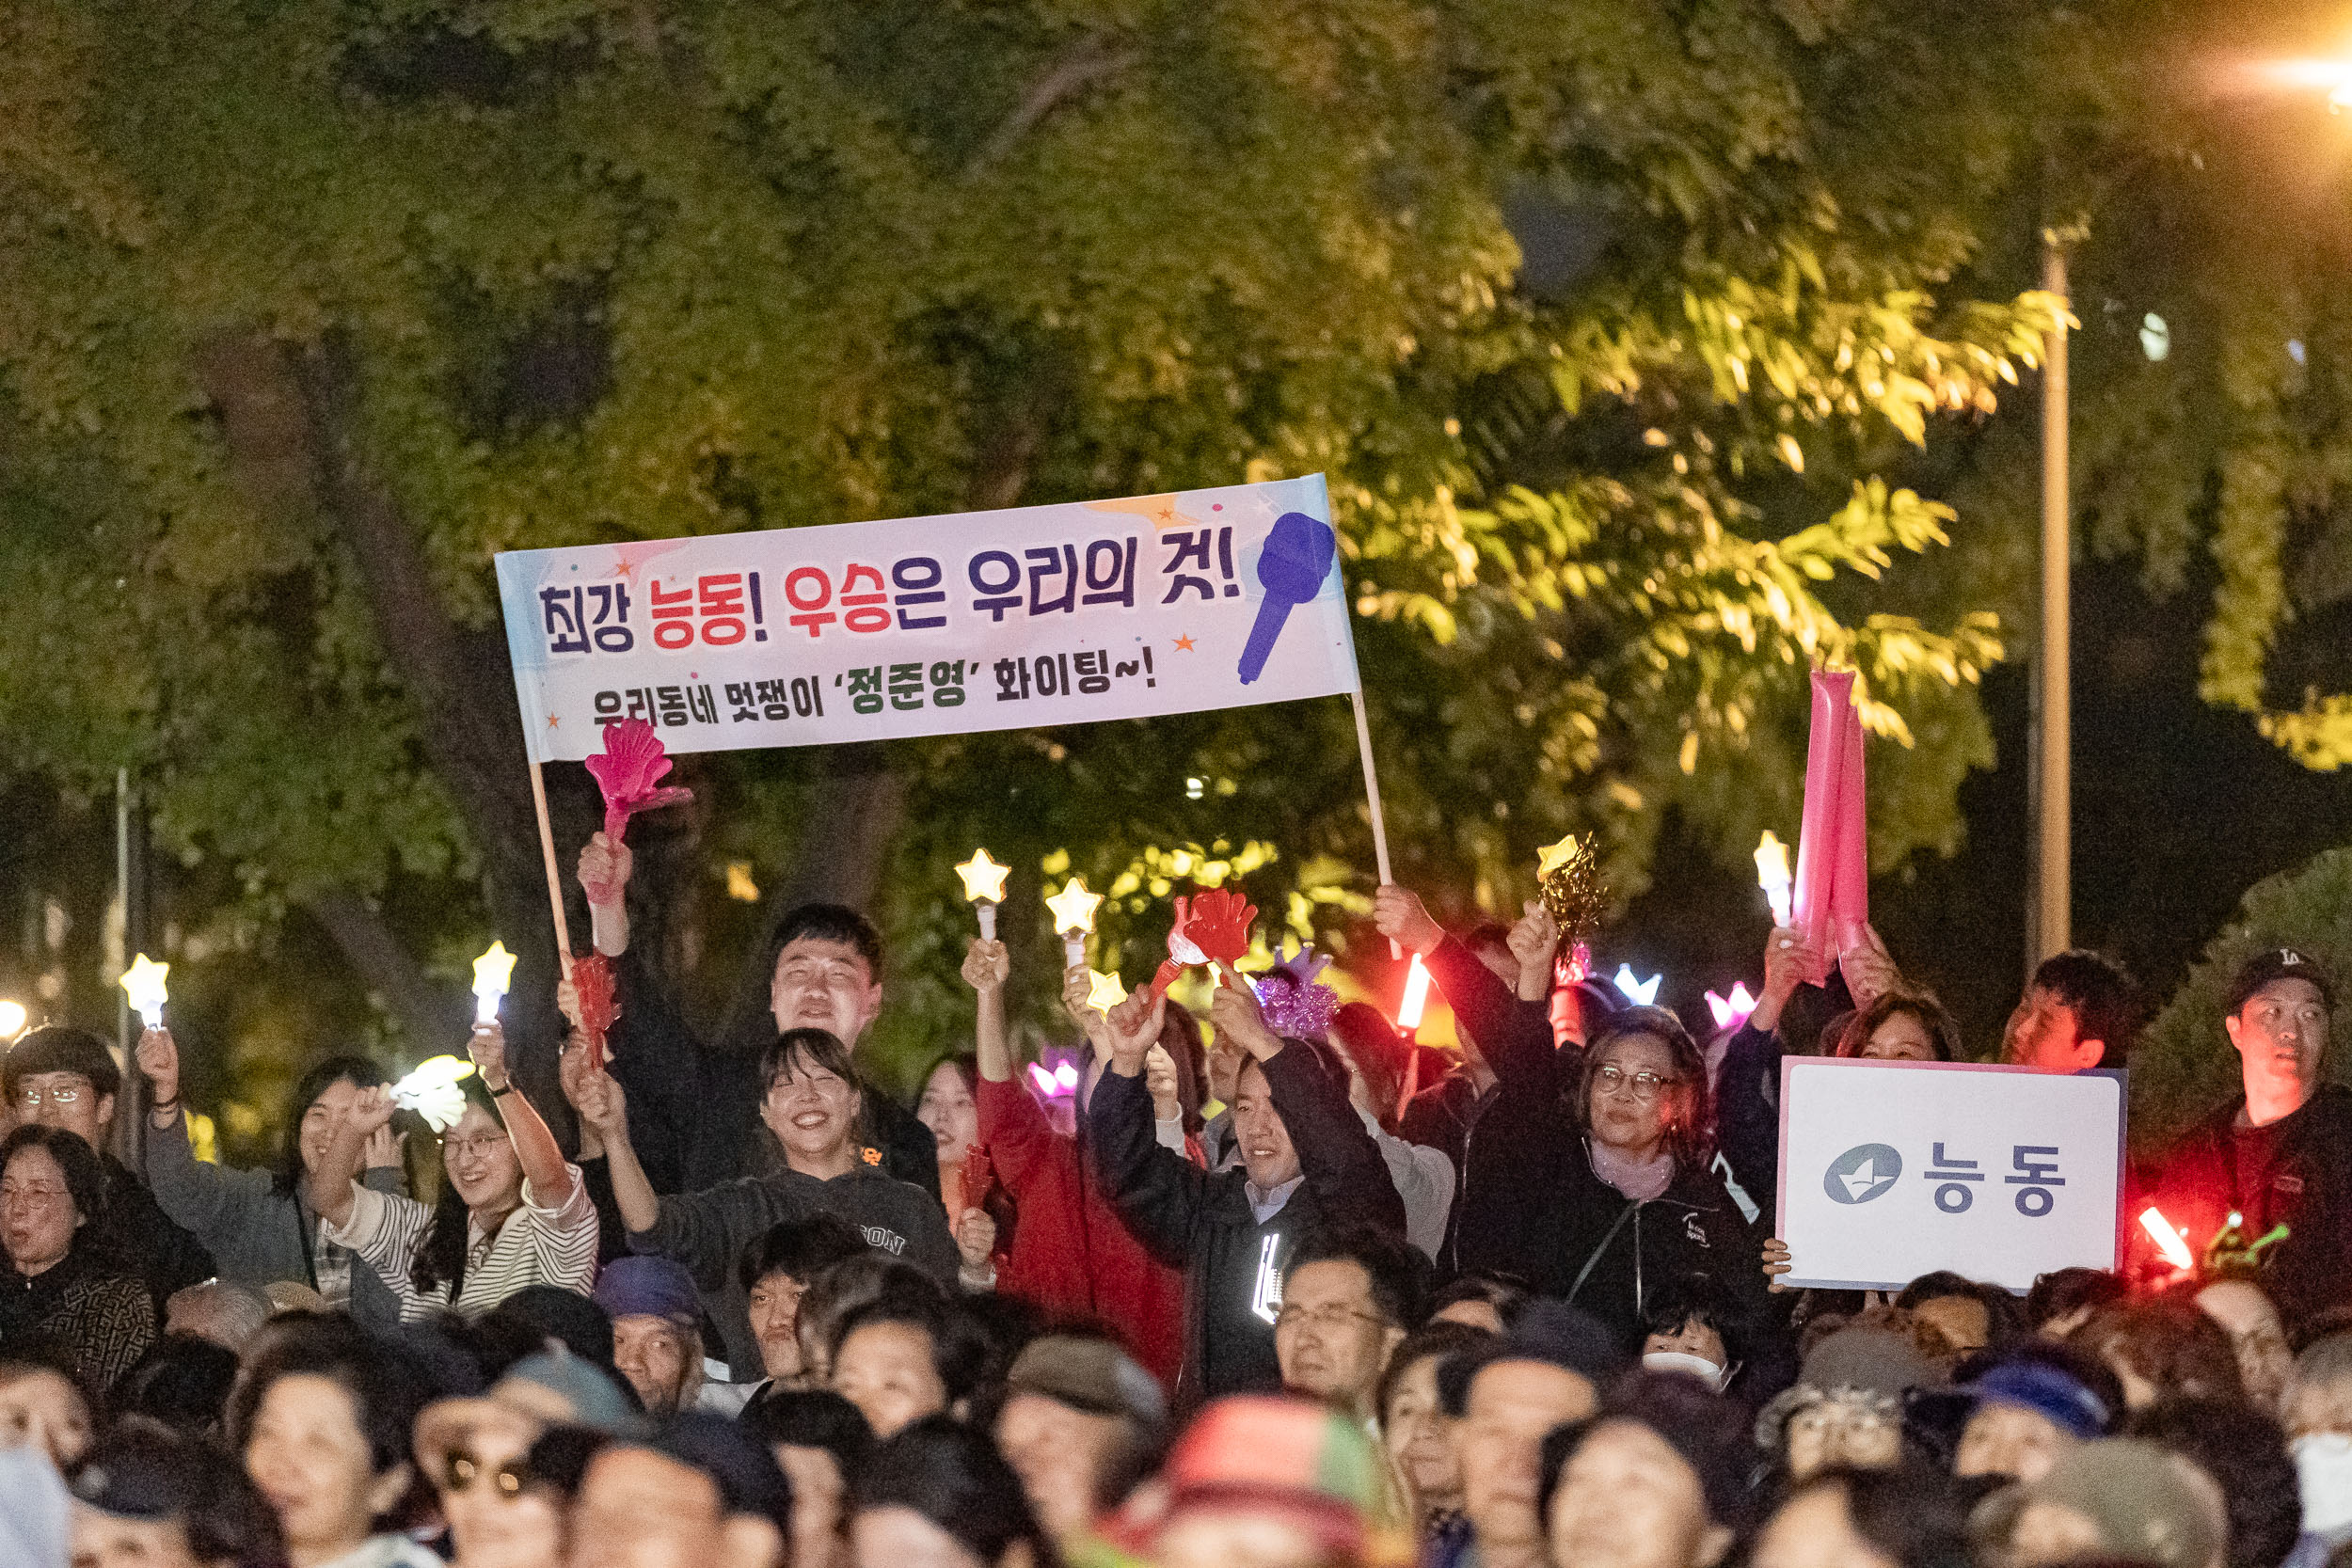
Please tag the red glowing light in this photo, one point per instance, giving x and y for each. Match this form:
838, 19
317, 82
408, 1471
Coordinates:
2168, 1240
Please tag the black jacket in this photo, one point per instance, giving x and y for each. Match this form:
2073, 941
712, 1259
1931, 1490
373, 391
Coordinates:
695, 1108
165, 1256
1534, 1208
2297, 1172
1202, 1222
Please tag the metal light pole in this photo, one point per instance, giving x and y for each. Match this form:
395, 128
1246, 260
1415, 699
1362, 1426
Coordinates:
2049, 917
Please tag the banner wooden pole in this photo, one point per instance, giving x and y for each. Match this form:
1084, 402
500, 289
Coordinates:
555, 885
1371, 798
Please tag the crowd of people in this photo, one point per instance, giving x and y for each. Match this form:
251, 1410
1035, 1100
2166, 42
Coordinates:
1290, 1292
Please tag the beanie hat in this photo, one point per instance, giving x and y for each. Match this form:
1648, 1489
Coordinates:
1268, 1454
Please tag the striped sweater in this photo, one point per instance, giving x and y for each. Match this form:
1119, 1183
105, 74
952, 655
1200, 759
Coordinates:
533, 1245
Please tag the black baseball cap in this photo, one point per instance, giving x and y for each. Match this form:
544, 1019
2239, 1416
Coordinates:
2279, 963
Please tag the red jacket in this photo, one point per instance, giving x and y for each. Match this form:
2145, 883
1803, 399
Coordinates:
1071, 1254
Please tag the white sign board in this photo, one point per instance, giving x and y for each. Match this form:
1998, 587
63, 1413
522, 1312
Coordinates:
1889, 1170
1041, 615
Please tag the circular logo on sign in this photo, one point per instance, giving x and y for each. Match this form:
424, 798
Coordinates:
1862, 1173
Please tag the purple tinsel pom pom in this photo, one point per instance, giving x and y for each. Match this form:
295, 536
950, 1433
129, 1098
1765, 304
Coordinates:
1293, 1010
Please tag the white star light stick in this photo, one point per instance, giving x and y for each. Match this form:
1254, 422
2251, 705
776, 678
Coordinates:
492, 973
1073, 909
1771, 875
984, 885
143, 983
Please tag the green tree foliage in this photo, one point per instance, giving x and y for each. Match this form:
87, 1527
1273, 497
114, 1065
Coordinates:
2214, 369
309, 307
2185, 1067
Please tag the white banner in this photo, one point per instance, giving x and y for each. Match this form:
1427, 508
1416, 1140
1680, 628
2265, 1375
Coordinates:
1889, 1170
933, 626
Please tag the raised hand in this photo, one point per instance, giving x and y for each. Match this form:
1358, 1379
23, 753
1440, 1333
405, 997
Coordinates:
1534, 941
1398, 915
1776, 1262
1159, 1076
987, 965
602, 1104
1134, 1026
568, 1002
976, 1239
1235, 1013
1787, 962
371, 1112
605, 864
382, 1150
1076, 985
1870, 969
159, 1058
486, 1045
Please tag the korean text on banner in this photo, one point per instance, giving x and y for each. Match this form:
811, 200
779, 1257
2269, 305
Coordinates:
1889, 1170
933, 626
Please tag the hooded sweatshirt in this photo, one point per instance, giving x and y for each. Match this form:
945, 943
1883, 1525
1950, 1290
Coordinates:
709, 1231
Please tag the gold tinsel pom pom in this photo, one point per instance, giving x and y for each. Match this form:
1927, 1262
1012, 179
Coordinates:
1573, 888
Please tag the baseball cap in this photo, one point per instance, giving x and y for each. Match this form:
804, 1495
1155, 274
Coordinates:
2145, 1503
647, 1288
2047, 1393
552, 1388
2278, 964
1087, 1374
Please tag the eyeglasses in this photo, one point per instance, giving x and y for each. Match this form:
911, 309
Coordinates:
32, 1197
481, 1145
31, 1095
460, 1470
1333, 1317
1646, 1086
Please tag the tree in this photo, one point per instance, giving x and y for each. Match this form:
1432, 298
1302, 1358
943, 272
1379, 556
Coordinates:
1608, 325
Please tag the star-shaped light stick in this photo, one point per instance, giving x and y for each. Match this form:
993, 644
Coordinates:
1772, 874
143, 983
1073, 909
492, 973
1104, 991
984, 885
1635, 990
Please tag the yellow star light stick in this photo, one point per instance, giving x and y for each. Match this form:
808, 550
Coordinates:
984, 885
143, 983
1073, 909
1104, 991
1771, 875
492, 972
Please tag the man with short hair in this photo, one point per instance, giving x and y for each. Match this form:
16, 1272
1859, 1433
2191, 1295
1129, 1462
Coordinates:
1307, 1161
65, 1078
656, 1334
1080, 1424
1349, 1297
697, 1106
2080, 1011
1505, 1397
776, 1270
700, 1491
2280, 1154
